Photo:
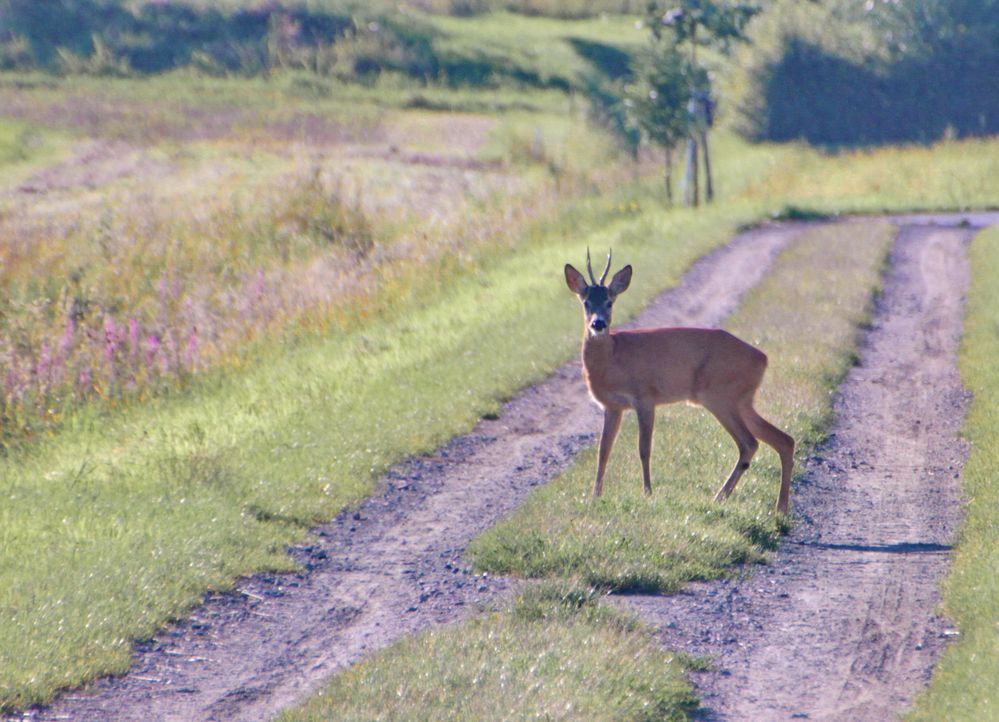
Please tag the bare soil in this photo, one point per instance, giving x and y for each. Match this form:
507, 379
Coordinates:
844, 623
393, 566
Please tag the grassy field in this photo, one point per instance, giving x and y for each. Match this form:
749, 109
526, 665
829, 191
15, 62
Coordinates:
964, 682
807, 312
122, 519
198, 274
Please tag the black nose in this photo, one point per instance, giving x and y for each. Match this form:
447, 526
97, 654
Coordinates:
598, 324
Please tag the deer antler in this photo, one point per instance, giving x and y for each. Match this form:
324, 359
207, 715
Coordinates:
589, 268
606, 268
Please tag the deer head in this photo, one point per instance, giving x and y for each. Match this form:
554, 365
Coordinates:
597, 299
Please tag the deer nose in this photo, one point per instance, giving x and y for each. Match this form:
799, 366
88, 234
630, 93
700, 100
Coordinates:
598, 324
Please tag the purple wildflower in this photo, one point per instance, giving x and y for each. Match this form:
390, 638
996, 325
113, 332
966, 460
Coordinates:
191, 352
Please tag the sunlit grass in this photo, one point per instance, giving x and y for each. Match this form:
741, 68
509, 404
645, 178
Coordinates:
964, 685
532, 47
945, 176
558, 655
25, 148
805, 315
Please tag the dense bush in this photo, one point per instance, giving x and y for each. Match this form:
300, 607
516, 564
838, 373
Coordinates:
833, 75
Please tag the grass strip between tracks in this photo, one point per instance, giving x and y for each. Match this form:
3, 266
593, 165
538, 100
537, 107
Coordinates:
965, 684
560, 653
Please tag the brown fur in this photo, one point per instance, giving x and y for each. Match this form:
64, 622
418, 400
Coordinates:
645, 368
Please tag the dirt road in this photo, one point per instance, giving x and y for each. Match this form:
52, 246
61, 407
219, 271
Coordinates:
394, 566
841, 626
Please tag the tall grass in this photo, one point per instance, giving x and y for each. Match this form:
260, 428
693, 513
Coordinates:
161, 285
964, 685
948, 175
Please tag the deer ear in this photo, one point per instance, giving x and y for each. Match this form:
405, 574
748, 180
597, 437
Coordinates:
622, 279
575, 281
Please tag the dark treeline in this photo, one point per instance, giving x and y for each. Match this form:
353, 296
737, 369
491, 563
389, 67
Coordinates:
156, 36
828, 100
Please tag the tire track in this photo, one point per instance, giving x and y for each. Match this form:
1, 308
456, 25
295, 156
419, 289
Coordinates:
843, 624
393, 566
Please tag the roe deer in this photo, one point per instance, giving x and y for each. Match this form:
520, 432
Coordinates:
643, 368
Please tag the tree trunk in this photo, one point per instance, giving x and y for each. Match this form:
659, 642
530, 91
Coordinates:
691, 194
709, 190
669, 176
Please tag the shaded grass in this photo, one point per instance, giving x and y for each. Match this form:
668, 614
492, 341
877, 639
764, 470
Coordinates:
558, 655
964, 685
805, 314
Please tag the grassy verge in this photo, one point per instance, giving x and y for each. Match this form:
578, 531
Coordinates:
807, 312
558, 655
964, 685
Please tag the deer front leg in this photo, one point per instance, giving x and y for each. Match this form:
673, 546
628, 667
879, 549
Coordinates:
646, 423
612, 422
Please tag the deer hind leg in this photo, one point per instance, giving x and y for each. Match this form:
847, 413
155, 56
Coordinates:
612, 422
783, 444
729, 417
646, 423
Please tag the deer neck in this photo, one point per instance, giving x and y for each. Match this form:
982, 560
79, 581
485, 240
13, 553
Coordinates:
598, 353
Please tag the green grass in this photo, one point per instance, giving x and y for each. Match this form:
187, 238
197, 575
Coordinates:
558, 655
535, 48
965, 683
24, 148
122, 521
945, 176
805, 314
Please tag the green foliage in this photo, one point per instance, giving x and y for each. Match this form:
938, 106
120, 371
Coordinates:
809, 307
559, 655
964, 685
657, 100
694, 23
